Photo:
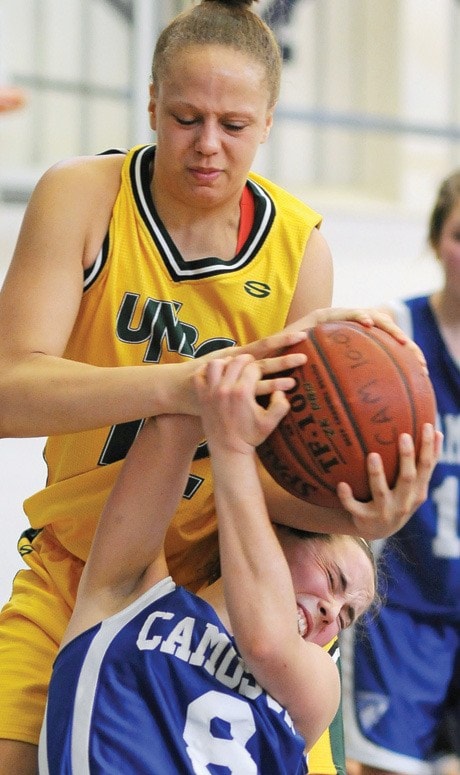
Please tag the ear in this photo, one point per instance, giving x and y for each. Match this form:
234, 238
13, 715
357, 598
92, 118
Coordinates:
152, 108
268, 124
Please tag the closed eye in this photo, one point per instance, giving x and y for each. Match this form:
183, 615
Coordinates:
185, 121
234, 127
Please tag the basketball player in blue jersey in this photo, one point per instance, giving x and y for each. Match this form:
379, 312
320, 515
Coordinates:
406, 664
128, 269
153, 679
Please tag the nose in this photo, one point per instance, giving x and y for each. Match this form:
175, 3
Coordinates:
328, 610
207, 140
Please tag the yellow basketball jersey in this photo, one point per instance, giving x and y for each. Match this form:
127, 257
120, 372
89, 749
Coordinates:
327, 757
144, 305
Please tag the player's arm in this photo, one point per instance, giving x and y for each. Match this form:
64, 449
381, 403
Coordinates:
257, 582
41, 392
127, 555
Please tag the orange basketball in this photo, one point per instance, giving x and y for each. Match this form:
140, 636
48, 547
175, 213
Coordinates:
357, 392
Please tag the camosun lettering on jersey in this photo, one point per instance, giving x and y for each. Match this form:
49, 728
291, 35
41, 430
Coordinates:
215, 652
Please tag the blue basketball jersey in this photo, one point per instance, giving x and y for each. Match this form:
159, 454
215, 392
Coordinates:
397, 666
421, 563
159, 689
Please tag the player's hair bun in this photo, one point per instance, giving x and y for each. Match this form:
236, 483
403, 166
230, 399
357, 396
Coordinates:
233, 3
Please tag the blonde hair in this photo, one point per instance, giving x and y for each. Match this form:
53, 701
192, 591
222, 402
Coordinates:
228, 23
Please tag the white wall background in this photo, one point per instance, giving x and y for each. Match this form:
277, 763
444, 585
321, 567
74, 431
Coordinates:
397, 59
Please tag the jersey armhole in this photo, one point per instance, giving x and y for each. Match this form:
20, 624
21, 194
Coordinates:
91, 274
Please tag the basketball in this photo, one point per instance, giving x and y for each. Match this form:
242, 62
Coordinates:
357, 392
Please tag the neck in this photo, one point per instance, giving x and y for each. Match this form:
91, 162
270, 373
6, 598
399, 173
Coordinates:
446, 307
198, 229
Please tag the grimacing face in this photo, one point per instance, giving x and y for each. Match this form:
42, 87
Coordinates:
210, 111
333, 583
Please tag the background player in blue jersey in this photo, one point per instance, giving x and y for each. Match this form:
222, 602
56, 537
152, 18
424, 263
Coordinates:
402, 671
154, 679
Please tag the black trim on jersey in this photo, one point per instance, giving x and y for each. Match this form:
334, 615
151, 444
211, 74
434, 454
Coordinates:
92, 273
334, 650
179, 269
110, 151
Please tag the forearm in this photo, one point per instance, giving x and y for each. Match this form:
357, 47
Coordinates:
257, 582
261, 602
44, 395
285, 509
142, 503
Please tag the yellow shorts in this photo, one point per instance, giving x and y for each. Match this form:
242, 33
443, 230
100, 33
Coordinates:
32, 624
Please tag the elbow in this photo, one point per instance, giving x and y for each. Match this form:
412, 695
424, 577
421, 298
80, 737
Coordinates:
265, 655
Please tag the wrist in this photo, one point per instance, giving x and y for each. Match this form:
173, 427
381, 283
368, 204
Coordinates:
233, 468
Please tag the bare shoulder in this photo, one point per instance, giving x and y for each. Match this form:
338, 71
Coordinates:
76, 196
95, 176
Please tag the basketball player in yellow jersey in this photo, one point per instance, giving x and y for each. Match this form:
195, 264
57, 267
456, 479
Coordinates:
127, 269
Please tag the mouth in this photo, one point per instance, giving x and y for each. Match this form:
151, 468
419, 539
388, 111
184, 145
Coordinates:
303, 622
204, 175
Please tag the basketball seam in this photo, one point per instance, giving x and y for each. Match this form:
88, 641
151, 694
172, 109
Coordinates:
321, 352
404, 380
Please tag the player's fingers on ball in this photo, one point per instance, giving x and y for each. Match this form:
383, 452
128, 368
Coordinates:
431, 447
356, 314
406, 451
289, 337
384, 321
430, 451
241, 381
407, 464
361, 513
278, 406
408, 491
235, 366
411, 345
345, 495
291, 360
363, 316
220, 377
214, 370
438, 442
377, 480
250, 375
266, 386
282, 362
276, 343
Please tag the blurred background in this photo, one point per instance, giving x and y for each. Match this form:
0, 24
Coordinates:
367, 125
